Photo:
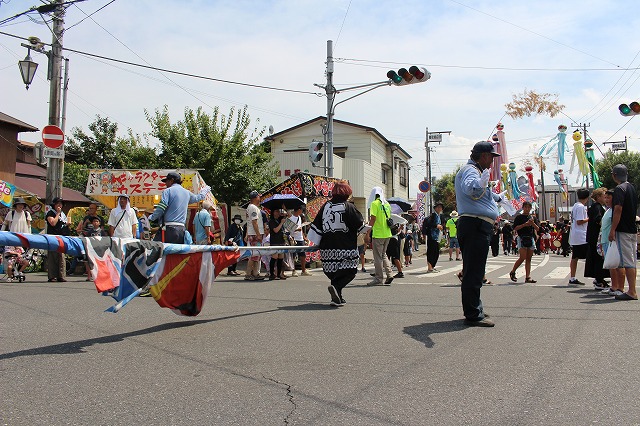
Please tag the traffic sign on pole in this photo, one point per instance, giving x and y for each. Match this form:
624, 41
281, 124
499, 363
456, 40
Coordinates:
424, 186
52, 136
52, 153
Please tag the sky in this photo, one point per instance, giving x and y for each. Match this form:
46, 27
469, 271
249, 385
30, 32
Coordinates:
480, 54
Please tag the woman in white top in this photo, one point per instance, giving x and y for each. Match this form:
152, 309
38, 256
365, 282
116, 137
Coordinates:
19, 219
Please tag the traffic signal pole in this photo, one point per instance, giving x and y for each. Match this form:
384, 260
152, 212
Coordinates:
411, 76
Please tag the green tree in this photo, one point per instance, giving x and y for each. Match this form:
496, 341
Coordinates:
102, 148
230, 152
444, 191
628, 158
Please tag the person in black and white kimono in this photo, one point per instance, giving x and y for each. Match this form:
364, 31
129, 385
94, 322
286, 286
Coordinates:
335, 229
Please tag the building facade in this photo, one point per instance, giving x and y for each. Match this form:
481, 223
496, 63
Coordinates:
361, 155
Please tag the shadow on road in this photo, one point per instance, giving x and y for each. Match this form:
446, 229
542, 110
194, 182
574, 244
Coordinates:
307, 307
600, 301
422, 333
78, 346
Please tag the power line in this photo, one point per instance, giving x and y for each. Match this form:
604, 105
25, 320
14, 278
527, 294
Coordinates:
219, 80
535, 33
610, 90
342, 25
369, 62
88, 16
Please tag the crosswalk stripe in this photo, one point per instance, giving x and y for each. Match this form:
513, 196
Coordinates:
558, 273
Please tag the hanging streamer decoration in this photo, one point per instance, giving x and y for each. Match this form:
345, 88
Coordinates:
500, 144
579, 156
558, 179
513, 181
559, 142
532, 187
505, 180
564, 184
591, 159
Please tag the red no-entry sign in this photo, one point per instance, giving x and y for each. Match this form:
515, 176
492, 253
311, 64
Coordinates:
52, 136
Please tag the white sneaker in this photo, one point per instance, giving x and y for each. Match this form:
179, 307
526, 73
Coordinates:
607, 291
306, 274
294, 274
617, 293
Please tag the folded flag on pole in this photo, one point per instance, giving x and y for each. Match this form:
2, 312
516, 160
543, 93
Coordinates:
183, 281
178, 276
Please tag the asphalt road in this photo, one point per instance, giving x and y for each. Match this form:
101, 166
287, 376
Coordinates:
274, 352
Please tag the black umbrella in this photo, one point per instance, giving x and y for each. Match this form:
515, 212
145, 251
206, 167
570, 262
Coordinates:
404, 204
275, 202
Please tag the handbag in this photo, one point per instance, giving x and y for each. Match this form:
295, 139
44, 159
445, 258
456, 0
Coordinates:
612, 257
392, 225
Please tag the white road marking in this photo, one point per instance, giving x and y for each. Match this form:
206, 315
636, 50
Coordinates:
558, 273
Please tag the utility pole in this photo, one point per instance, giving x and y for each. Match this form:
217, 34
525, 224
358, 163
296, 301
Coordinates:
584, 126
55, 165
435, 137
331, 94
543, 200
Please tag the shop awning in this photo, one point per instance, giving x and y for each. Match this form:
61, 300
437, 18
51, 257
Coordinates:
38, 188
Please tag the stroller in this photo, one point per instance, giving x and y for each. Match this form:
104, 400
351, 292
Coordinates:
14, 263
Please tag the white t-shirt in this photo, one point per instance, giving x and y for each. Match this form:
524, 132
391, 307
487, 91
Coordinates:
297, 235
123, 230
19, 221
253, 213
578, 234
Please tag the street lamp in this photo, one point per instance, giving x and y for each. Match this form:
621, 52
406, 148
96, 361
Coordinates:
27, 69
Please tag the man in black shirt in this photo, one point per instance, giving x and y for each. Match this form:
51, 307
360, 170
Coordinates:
507, 238
623, 230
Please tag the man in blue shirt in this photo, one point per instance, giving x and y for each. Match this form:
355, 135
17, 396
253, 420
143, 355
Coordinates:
477, 211
202, 224
171, 212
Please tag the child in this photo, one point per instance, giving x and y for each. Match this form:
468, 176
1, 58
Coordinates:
93, 229
13, 256
408, 239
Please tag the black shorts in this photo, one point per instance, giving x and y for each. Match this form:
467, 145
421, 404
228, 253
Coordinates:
393, 249
579, 251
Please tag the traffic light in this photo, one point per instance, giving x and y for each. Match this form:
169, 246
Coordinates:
411, 76
628, 110
315, 152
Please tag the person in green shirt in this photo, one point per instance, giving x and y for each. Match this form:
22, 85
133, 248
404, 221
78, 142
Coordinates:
379, 235
452, 232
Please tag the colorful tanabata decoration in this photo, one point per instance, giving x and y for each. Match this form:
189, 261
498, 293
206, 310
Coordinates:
531, 185
558, 179
513, 181
500, 145
591, 159
559, 141
564, 183
504, 181
579, 155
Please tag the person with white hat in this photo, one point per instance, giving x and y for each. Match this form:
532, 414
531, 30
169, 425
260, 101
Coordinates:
122, 219
19, 219
452, 232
